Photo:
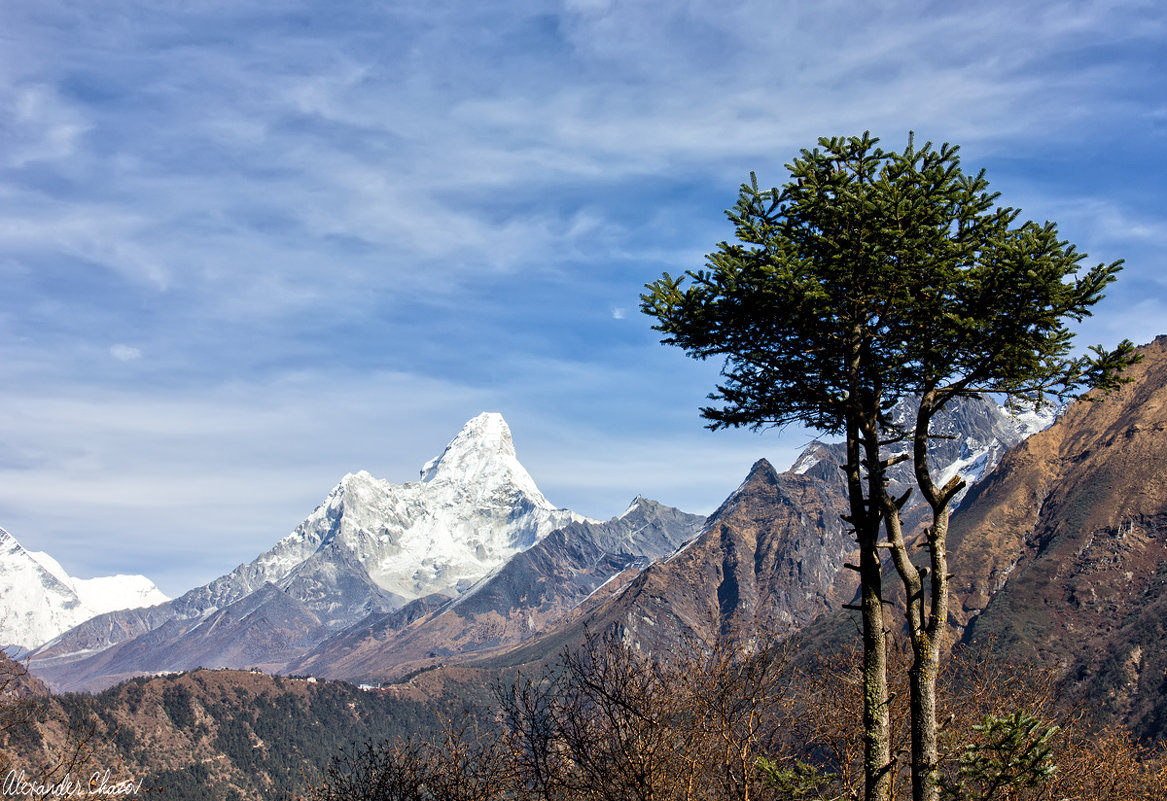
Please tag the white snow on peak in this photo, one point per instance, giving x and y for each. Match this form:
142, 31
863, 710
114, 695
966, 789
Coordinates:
482, 451
979, 455
632, 507
105, 593
1029, 421
110, 593
810, 456
473, 509
50, 564
39, 599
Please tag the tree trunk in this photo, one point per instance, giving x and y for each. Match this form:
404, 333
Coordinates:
876, 723
926, 612
865, 517
931, 618
876, 718
926, 664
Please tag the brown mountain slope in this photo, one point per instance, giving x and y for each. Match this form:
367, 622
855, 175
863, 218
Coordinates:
771, 556
1062, 552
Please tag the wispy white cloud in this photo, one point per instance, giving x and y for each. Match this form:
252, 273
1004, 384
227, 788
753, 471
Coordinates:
37, 126
125, 353
300, 224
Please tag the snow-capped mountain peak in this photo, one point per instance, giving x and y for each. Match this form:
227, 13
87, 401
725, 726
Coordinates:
371, 546
636, 503
483, 453
39, 599
104, 593
475, 508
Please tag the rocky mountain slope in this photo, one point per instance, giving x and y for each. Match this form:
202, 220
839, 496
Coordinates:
1061, 554
773, 555
533, 590
39, 600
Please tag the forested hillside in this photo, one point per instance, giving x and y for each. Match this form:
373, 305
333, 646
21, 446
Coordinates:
220, 734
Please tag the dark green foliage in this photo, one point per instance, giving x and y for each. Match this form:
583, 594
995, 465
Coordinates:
176, 700
134, 693
885, 274
265, 734
1010, 754
191, 783
799, 781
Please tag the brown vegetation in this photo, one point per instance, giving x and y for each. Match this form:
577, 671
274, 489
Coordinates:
45, 754
610, 723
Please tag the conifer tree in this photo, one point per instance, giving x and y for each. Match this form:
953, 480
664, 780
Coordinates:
868, 277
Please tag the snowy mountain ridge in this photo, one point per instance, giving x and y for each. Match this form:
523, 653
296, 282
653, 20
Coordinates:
971, 437
473, 509
373, 546
39, 599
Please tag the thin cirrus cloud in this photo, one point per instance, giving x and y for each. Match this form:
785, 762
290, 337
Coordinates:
247, 249
125, 353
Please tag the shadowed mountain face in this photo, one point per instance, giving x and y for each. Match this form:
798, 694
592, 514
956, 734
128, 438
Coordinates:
771, 554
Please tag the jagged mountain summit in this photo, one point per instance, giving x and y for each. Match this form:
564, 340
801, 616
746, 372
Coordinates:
370, 547
39, 599
474, 507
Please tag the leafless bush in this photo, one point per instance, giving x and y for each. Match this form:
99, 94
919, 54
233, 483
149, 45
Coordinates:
608, 722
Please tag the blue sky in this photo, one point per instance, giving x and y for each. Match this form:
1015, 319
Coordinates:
247, 247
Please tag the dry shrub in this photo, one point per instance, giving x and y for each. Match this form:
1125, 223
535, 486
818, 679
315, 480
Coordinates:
610, 723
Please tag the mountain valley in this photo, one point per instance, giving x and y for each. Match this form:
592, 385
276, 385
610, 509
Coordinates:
1059, 556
